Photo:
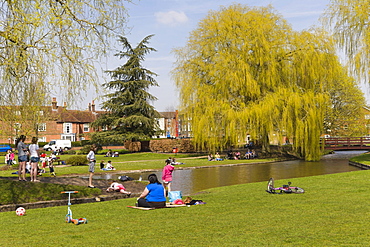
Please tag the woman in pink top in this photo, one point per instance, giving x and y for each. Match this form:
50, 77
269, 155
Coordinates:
167, 175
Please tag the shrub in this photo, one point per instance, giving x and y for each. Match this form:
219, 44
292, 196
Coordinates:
133, 146
77, 160
76, 144
85, 142
70, 152
167, 145
42, 144
86, 149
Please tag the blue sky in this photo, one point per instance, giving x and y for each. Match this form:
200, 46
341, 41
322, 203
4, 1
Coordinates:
171, 21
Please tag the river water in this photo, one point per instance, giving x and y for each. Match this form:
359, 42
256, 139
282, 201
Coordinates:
193, 180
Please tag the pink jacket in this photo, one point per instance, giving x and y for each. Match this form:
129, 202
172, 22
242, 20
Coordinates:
167, 172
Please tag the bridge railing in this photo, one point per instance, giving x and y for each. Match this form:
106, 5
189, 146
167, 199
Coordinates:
333, 142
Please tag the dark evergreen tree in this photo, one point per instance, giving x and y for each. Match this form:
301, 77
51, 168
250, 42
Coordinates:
130, 116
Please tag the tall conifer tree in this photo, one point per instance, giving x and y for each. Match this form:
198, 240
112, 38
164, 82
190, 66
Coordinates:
130, 116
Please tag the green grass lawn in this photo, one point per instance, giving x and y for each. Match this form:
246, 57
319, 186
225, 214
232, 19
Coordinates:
332, 212
363, 158
139, 161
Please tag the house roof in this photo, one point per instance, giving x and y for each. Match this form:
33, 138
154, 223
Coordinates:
62, 115
168, 114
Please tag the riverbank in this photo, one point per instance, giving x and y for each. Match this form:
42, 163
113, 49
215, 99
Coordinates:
362, 161
102, 184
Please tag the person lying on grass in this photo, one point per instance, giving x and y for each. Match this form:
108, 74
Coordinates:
118, 188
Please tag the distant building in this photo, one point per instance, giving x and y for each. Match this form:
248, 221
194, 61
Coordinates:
173, 125
168, 124
56, 122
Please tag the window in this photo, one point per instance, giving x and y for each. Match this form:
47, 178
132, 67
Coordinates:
367, 116
42, 139
41, 127
70, 137
67, 128
86, 127
18, 113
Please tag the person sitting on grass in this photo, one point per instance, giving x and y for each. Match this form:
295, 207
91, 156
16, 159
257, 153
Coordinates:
153, 195
218, 157
118, 188
210, 157
109, 153
109, 167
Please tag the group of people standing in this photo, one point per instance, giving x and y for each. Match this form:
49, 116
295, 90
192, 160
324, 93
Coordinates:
28, 159
23, 152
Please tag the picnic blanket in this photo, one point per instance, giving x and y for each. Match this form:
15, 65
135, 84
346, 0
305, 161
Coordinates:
168, 205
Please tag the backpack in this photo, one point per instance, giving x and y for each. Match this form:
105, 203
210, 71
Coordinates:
174, 195
125, 178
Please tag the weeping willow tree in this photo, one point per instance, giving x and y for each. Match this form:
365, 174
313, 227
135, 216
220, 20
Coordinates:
51, 46
245, 71
349, 22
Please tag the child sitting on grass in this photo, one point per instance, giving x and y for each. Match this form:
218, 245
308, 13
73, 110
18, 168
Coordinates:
118, 188
109, 167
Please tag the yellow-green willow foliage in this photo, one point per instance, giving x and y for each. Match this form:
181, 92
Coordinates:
245, 71
349, 21
51, 46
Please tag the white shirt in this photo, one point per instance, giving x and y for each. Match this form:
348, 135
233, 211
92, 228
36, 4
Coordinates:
33, 150
90, 156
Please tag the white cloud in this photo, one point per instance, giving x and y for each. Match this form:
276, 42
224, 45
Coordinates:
171, 18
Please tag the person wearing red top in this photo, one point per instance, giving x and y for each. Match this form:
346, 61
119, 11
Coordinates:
167, 175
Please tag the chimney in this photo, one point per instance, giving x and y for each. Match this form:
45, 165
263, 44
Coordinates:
54, 103
65, 104
89, 106
93, 106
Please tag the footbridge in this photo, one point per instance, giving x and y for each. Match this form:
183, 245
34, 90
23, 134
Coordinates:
346, 143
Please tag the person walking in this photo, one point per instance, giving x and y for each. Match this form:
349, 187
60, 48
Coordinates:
35, 158
22, 157
91, 158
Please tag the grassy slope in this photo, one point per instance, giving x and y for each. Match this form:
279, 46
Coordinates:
332, 212
14, 192
363, 158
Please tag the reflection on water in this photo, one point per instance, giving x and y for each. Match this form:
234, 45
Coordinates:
193, 180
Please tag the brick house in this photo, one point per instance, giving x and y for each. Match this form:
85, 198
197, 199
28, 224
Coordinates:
58, 122
67, 124
55, 122
168, 124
